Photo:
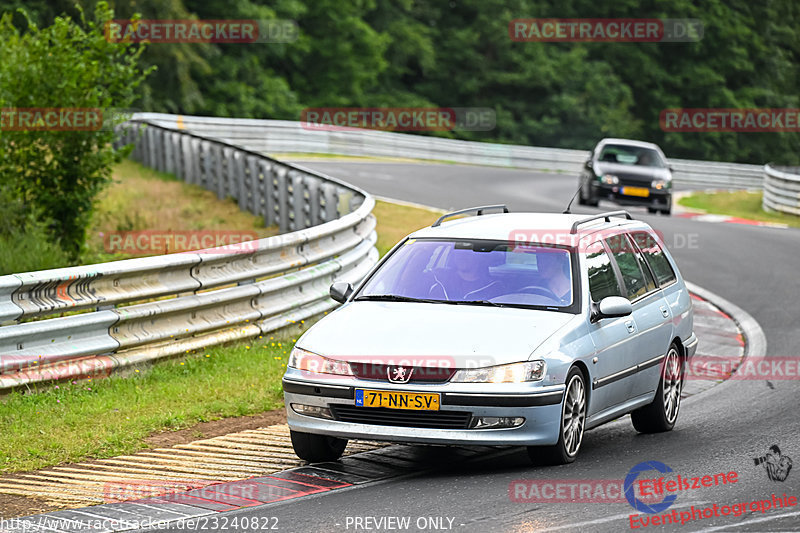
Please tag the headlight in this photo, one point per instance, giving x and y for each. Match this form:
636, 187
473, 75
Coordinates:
661, 184
513, 373
610, 179
311, 362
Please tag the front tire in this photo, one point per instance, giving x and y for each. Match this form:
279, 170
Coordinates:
662, 413
317, 448
573, 421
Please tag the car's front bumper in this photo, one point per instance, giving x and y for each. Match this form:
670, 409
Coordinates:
656, 198
540, 407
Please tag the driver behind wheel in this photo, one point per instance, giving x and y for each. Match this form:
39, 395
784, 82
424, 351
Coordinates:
552, 269
469, 278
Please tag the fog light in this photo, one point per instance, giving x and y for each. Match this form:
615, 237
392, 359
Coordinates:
312, 410
486, 422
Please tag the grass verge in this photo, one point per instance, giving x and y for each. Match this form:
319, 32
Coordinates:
395, 221
742, 204
140, 199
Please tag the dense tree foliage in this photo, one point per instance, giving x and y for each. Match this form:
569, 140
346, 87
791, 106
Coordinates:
458, 53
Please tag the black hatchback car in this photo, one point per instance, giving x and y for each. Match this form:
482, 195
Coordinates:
629, 173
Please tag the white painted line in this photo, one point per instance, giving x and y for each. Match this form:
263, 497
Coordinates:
410, 204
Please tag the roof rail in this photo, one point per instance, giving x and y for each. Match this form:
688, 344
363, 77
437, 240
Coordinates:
606, 216
477, 210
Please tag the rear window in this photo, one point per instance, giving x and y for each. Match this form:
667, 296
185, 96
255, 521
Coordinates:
631, 155
655, 257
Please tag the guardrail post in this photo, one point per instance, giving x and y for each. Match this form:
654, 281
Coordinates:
296, 201
281, 195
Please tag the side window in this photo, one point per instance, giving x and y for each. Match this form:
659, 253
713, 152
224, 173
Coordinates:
655, 257
636, 284
650, 282
602, 279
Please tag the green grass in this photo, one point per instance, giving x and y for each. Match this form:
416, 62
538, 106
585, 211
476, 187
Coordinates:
395, 221
743, 204
106, 417
142, 199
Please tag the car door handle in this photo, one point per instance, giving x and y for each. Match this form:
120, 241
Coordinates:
664, 311
631, 326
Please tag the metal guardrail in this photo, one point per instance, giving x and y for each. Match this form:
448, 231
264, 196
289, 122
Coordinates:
143, 309
782, 189
281, 136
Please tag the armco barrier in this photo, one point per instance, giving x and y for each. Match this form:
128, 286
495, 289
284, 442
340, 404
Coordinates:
139, 310
282, 136
782, 189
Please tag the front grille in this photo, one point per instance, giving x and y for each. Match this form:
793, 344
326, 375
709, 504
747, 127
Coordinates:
419, 374
383, 416
634, 182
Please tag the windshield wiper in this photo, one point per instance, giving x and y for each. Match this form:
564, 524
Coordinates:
395, 298
481, 302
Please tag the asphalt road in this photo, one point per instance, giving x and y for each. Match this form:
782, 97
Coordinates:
718, 431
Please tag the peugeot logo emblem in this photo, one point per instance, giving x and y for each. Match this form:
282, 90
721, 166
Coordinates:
398, 374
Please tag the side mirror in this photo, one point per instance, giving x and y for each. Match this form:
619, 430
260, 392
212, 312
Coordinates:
671, 168
612, 307
589, 164
341, 291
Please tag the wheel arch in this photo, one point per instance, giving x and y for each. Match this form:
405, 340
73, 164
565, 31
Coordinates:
584, 370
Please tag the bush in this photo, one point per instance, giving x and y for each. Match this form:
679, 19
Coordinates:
25, 240
59, 173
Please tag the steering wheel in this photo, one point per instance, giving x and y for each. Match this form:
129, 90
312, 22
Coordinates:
542, 291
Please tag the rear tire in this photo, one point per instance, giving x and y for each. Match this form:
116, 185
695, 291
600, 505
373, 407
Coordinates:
317, 448
573, 421
662, 413
667, 211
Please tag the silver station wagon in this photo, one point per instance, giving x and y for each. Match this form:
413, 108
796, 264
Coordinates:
498, 329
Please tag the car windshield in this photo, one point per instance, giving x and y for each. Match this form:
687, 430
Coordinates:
476, 272
631, 155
